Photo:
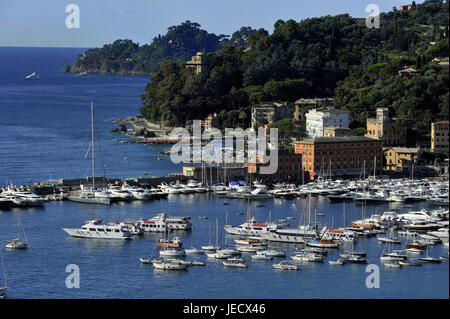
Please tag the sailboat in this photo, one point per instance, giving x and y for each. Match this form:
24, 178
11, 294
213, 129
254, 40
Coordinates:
16, 243
193, 250
85, 195
219, 254
210, 247
430, 259
5, 287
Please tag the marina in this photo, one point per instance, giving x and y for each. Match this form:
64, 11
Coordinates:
108, 264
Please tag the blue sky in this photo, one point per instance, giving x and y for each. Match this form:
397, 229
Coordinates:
42, 22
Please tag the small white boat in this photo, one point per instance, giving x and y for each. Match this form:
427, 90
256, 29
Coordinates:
192, 251
307, 257
250, 248
168, 265
409, 263
220, 255
32, 76
336, 262
197, 263
285, 265
146, 261
172, 253
235, 262
414, 251
261, 255
392, 265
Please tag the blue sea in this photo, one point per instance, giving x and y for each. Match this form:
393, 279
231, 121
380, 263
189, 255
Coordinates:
45, 135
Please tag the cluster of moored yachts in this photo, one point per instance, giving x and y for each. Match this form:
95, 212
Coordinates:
420, 229
369, 190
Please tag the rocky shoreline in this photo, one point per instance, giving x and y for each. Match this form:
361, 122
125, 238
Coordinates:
140, 127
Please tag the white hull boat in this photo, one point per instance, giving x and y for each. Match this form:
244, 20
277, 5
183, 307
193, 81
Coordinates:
94, 229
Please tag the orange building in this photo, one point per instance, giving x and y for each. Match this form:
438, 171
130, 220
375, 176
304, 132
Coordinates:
347, 155
289, 167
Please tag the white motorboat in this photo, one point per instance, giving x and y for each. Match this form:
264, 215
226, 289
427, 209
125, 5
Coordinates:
31, 198
160, 222
307, 257
94, 229
286, 265
172, 252
441, 233
235, 262
32, 76
220, 255
409, 263
251, 228
413, 251
336, 262
392, 265
117, 193
138, 193
274, 253
261, 255
194, 251
169, 265
250, 248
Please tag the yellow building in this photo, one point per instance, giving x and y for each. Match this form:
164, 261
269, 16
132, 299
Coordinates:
381, 128
336, 131
198, 63
439, 137
400, 159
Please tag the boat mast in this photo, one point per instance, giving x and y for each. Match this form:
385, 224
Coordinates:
3, 269
93, 149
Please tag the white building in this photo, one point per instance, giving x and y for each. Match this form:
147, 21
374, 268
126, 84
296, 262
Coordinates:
270, 112
317, 120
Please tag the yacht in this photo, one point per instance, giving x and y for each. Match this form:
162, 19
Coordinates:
95, 229
161, 221
117, 193
30, 197
251, 228
442, 233
85, 195
138, 193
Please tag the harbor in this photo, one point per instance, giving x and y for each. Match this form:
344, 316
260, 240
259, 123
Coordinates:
247, 239
47, 162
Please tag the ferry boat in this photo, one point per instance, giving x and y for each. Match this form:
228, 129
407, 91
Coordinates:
291, 235
95, 229
161, 221
175, 242
251, 228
